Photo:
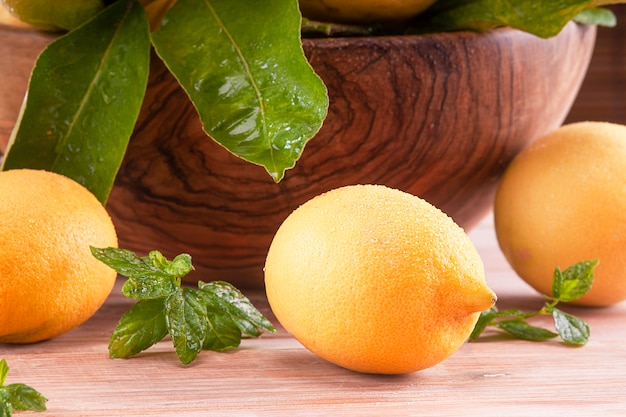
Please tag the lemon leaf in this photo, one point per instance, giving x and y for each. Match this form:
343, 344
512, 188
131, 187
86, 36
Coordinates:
247, 76
83, 99
541, 18
572, 330
574, 282
140, 327
597, 16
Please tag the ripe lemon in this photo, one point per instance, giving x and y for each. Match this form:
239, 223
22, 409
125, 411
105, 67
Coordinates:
53, 15
49, 281
375, 280
362, 11
563, 200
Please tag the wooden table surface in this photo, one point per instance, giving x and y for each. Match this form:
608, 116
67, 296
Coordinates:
275, 376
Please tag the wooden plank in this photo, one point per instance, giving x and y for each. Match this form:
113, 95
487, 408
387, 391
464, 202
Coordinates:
275, 376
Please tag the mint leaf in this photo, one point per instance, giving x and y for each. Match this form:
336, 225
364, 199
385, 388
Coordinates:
484, 320
567, 286
186, 323
177, 268
247, 76
212, 317
224, 297
19, 397
140, 327
521, 329
149, 277
84, 98
574, 282
222, 333
572, 330
23, 398
123, 261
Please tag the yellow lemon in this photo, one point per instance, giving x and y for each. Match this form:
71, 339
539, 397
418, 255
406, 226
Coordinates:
563, 200
375, 280
49, 281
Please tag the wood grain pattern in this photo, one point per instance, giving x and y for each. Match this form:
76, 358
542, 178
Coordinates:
439, 116
275, 376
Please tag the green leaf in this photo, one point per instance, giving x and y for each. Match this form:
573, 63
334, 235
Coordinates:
4, 371
5, 406
247, 76
212, 317
484, 320
572, 330
140, 327
222, 333
148, 287
597, 16
177, 268
542, 18
83, 99
123, 261
22, 397
523, 330
574, 282
19, 397
186, 323
228, 299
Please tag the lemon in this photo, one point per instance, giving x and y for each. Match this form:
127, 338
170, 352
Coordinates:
54, 15
49, 281
563, 200
362, 11
375, 280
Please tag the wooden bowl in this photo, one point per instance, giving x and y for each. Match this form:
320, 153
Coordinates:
439, 116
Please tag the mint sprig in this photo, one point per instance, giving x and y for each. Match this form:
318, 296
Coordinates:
568, 285
18, 397
212, 317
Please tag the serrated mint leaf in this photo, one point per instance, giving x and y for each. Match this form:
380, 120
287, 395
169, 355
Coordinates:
484, 320
571, 329
83, 99
574, 282
523, 330
186, 323
140, 327
178, 267
123, 261
231, 301
149, 287
23, 397
247, 76
211, 317
222, 333
149, 277
19, 397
